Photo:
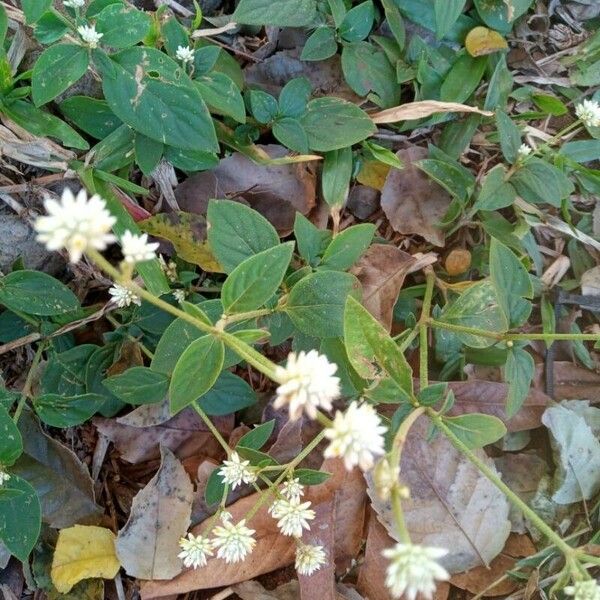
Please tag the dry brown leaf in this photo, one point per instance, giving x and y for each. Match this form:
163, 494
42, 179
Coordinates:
381, 271
275, 191
412, 202
571, 381
147, 546
457, 262
420, 110
451, 505
479, 579
138, 435
272, 550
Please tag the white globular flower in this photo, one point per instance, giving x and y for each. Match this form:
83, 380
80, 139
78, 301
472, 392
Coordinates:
309, 558
179, 295
292, 489
414, 570
123, 296
74, 3
195, 550
4, 477
185, 54
76, 223
89, 35
356, 436
136, 248
233, 541
524, 151
236, 471
307, 383
589, 113
292, 516
584, 590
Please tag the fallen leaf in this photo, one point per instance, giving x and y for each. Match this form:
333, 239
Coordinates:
479, 579
451, 504
83, 551
147, 546
420, 110
275, 191
272, 550
62, 482
187, 233
571, 381
481, 40
373, 174
138, 435
457, 262
412, 202
381, 271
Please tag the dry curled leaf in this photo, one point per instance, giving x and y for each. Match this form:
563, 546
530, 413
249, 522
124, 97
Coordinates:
420, 110
147, 546
481, 41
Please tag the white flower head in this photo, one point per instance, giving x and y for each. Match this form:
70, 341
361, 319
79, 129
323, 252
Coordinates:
292, 516
524, 151
123, 296
308, 383
413, 570
584, 590
89, 35
292, 489
236, 471
136, 248
234, 541
195, 550
356, 436
225, 516
4, 477
589, 113
74, 3
75, 223
179, 295
185, 54
309, 558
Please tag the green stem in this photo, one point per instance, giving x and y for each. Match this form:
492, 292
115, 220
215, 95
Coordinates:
246, 316
491, 475
212, 428
131, 338
423, 329
28, 381
402, 433
399, 516
408, 340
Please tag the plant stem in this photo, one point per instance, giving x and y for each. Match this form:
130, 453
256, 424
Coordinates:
212, 428
246, 316
28, 381
489, 473
399, 516
423, 330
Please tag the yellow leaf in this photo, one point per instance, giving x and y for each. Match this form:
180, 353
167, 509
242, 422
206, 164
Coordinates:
83, 551
373, 174
482, 40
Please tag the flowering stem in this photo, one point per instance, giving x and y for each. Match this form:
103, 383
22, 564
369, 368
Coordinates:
423, 329
399, 516
493, 477
28, 381
212, 428
245, 316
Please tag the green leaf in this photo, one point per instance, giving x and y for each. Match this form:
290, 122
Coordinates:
495, 13
57, 69
316, 303
550, 104
446, 14
358, 22
20, 518
540, 182
346, 124
215, 488
256, 458
463, 78
395, 22
196, 371
256, 438
222, 95
264, 107
510, 138
283, 13
450, 176
148, 153
36, 293
347, 247
95, 7
50, 28
476, 430
176, 338
67, 411
174, 35
255, 280
581, 151
335, 178
122, 25
236, 232
138, 385
478, 308
34, 9
150, 93
290, 133
518, 373
495, 192
311, 240
321, 44
511, 282
294, 96
65, 371
371, 350
311, 477
11, 444
229, 394
3, 24
90, 115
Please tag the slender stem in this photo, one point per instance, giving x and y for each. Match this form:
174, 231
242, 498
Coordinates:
491, 475
28, 381
246, 316
407, 341
131, 338
423, 330
402, 433
399, 516
212, 428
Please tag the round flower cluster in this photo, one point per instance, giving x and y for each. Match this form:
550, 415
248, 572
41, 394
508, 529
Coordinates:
583, 590
89, 35
123, 296
185, 54
236, 471
4, 477
589, 113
